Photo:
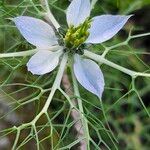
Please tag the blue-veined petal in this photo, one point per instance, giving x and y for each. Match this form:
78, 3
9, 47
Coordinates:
104, 27
43, 62
78, 11
89, 75
36, 31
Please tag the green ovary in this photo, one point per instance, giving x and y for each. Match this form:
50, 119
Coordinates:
76, 36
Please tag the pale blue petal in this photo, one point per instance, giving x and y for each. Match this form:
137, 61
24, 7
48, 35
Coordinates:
36, 31
89, 75
104, 27
78, 11
43, 62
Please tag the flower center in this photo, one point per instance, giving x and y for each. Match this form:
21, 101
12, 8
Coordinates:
74, 38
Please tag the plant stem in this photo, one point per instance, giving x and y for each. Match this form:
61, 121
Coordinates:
84, 121
101, 59
140, 35
93, 3
55, 86
48, 15
107, 123
130, 37
107, 49
57, 81
18, 54
16, 139
27, 53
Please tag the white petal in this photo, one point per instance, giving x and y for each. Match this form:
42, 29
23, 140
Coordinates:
105, 27
78, 11
43, 62
89, 75
36, 31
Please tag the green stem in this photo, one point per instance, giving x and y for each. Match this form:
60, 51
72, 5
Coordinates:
106, 121
107, 49
130, 37
49, 14
68, 98
16, 139
57, 82
27, 53
84, 120
18, 54
93, 3
55, 86
101, 59
140, 35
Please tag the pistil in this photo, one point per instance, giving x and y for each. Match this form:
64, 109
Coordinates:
76, 36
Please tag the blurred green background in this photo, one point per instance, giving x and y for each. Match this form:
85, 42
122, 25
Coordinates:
126, 101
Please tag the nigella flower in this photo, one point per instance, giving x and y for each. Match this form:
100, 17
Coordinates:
81, 31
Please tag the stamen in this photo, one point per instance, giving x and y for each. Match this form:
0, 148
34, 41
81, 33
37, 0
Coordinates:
76, 36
